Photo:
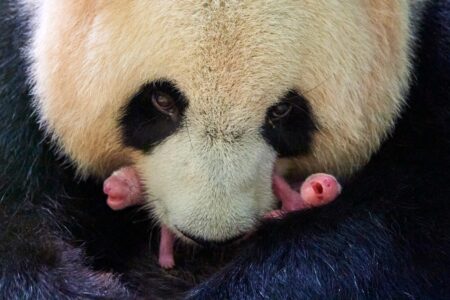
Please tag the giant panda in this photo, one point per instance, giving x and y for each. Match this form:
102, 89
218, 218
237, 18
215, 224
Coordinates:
207, 99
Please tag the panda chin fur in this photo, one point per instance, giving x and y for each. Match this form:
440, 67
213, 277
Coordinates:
386, 236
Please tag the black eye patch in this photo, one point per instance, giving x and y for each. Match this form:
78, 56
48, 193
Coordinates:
143, 125
290, 133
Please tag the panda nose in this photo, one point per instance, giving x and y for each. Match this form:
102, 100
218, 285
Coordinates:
211, 243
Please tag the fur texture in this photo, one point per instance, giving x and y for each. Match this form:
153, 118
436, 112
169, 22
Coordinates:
232, 60
386, 236
254, 52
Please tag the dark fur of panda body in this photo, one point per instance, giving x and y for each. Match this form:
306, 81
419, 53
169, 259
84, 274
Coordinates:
387, 236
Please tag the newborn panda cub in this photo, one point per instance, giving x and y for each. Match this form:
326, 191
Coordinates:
124, 189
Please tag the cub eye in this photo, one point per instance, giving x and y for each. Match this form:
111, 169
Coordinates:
280, 111
164, 103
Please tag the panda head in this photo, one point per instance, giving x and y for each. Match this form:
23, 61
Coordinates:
207, 97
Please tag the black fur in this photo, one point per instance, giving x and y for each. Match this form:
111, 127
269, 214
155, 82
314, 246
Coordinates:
387, 236
143, 125
290, 135
58, 239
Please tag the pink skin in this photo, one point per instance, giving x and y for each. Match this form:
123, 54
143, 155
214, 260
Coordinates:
124, 189
317, 190
166, 259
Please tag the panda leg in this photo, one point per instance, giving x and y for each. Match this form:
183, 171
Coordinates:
123, 188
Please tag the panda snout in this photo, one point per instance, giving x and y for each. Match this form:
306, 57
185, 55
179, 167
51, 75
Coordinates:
211, 193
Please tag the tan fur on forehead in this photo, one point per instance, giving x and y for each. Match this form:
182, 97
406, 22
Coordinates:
232, 59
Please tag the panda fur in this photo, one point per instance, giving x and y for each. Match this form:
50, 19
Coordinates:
387, 235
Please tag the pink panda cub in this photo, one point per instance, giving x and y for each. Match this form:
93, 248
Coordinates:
124, 189
317, 190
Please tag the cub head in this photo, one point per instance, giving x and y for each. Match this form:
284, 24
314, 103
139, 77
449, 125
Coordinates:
205, 98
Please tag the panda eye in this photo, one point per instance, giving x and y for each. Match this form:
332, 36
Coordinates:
280, 111
164, 103
289, 125
152, 114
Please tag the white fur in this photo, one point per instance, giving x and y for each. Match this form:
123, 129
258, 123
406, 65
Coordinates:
214, 191
232, 60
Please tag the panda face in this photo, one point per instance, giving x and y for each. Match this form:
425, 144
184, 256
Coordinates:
205, 96
208, 165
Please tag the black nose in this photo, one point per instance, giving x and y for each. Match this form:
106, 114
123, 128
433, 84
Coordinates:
211, 243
